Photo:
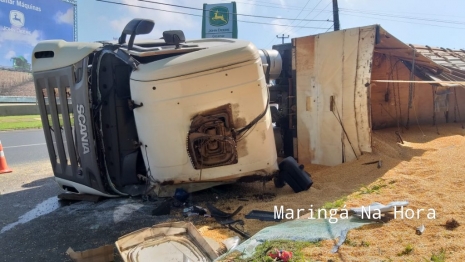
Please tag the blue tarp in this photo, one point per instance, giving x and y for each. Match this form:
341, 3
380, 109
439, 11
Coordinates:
311, 230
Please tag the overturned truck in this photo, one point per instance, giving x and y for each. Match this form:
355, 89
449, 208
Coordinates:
123, 118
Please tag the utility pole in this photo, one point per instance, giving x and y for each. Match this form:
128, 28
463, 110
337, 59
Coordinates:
282, 37
335, 15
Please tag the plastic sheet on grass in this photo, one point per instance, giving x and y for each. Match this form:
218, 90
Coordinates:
311, 230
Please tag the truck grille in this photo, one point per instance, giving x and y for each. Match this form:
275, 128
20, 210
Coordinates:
53, 94
63, 99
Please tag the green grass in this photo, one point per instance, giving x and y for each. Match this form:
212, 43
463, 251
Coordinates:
23, 122
20, 122
407, 250
438, 257
336, 204
352, 243
332, 205
372, 189
262, 251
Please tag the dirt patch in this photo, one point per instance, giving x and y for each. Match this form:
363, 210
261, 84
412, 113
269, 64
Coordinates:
427, 170
15, 83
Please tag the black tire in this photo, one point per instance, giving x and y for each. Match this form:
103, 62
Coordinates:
278, 181
294, 175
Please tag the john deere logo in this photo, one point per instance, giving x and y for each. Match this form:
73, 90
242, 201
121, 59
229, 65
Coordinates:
219, 16
16, 18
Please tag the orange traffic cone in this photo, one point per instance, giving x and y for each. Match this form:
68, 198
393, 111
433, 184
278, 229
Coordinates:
3, 165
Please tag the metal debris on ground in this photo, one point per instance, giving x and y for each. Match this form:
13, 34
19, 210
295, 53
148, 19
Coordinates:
225, 219
238, 227
420, 230
262, 215
219, 215
195, 211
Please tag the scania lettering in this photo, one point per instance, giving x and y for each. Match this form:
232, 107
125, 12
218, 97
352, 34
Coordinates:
83, 128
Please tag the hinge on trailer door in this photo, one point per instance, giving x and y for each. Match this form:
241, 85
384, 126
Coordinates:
132, 105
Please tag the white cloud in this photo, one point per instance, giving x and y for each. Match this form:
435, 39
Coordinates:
163, 20
248, 7
282, 27
118, 25
65, 18
10, 54
13, 36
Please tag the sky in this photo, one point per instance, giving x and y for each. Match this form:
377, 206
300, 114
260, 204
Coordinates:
23, 26
428, 22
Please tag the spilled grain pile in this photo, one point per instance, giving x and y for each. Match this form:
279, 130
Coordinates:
427, 170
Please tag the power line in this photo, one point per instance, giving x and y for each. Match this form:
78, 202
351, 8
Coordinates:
398, 12
289, 7
367, 15
399, 16
373, 12
183, 13
348, 9
410, 22
201, 9
312, 11
287, 27
321, 10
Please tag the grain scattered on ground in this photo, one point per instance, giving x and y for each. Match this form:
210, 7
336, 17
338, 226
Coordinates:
427, 170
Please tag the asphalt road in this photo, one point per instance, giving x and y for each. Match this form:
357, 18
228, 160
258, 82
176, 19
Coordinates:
24, 146
36, 226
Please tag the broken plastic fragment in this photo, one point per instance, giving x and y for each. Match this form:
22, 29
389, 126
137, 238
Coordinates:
420, 230
231, 242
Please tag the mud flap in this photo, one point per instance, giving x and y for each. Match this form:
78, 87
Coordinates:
294, 175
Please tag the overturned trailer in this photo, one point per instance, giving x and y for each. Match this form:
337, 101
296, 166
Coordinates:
155, 113
342, 85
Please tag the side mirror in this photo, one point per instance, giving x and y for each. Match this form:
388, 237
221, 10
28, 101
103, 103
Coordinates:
174, 37
135, 27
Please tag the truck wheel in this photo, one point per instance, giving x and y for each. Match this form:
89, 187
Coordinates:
294, 175
278, 181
